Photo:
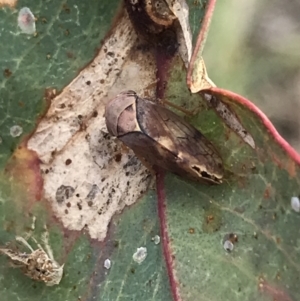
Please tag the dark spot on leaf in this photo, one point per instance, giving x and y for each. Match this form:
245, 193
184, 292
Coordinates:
191, 230
93, 192
88, 82
232, 237
70, 55
63, 193
209, 218
68, 162
7, 72
118, 157
66, 8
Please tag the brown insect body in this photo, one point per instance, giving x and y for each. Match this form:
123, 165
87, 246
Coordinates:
163, 138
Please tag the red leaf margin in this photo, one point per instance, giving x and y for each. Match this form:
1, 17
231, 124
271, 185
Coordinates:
160, 189
292, 153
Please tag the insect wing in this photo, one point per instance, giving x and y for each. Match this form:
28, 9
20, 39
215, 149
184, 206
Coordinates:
196, 155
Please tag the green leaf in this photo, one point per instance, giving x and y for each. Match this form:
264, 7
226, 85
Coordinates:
84, 272
254, 202
68, 36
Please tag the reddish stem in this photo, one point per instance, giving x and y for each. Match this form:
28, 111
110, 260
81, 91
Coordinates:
169, 258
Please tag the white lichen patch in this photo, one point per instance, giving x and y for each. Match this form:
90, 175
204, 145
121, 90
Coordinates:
295, 204
156, 239
16, 131
140, 255
228, 245
88, 175
26, 21
107, 264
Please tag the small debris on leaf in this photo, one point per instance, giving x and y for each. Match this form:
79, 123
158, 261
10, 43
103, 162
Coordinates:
233, 238
156, 239
295, 203
140, 255
16, 131
228, 245
38, 265
107, 264
191, 230
26, 21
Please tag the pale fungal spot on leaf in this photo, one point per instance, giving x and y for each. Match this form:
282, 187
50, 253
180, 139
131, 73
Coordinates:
16, 131
26, 21
107, 264
140, 255
156, 239
295, 203
228, 245
104, 176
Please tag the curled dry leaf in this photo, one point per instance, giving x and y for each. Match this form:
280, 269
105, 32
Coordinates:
73, 144
184, 35
197, 78
201, 81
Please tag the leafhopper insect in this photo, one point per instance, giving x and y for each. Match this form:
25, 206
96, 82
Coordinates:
163, 138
